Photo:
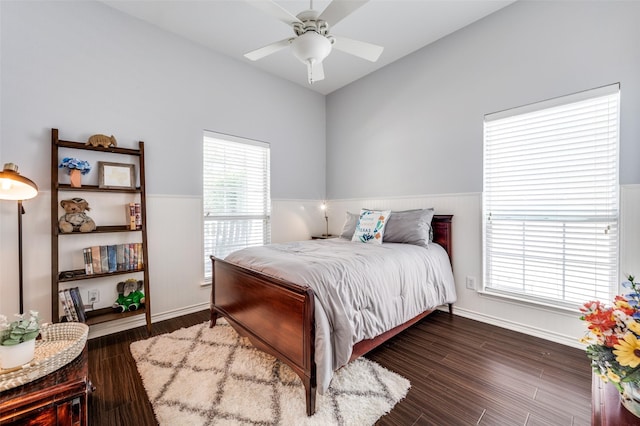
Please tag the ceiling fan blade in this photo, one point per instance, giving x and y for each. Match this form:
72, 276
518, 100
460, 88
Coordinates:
340, 9
368, 51
316, 73
267, 50
274, 9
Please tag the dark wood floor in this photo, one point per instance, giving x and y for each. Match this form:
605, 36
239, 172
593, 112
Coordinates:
462, 372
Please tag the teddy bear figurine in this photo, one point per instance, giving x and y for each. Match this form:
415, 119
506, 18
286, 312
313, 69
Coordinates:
130, 295
75, 218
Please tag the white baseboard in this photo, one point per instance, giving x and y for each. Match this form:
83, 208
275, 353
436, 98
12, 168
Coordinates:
103, 329
521, 328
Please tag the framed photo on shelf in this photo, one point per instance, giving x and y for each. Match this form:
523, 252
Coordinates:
116, 175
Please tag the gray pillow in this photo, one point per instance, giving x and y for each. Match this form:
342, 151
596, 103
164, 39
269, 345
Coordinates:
410, 227
406, 226
349, 227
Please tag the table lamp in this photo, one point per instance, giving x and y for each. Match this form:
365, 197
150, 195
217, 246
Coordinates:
326, 218
17, 188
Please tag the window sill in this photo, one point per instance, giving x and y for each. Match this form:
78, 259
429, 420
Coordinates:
538, 304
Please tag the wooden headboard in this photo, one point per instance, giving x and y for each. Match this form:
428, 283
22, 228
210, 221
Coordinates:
441, 225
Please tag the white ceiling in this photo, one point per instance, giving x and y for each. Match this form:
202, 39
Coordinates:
234, 27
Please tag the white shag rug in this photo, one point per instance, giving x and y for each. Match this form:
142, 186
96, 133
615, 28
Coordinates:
211, 376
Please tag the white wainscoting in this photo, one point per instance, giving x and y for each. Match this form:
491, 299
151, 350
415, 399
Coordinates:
549, 323
176, 257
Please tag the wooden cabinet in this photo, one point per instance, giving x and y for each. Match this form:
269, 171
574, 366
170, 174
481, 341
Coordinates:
59, 191
60, 398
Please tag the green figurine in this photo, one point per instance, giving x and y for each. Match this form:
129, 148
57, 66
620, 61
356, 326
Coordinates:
130, 295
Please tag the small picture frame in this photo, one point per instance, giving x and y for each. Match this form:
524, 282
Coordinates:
116, 175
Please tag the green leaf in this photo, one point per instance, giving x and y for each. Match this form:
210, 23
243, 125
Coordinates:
30, 336
10, 342
633, 376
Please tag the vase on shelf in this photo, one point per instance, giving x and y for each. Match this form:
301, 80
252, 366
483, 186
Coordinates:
17, 355
75, 176
630, 397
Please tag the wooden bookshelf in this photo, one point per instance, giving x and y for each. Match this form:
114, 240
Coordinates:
58, 239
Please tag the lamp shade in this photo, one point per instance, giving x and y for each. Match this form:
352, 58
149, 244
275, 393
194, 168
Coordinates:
15, 187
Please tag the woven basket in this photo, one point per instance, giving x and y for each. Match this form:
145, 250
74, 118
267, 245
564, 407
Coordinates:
60, 344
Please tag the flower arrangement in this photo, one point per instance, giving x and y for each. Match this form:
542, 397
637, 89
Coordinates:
20, 330
74, 163
614, 337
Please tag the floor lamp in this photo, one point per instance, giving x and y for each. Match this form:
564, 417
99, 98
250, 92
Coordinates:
17, 188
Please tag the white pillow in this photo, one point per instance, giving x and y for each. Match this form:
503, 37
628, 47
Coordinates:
370, 227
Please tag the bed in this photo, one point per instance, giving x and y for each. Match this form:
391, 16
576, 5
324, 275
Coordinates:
279, 316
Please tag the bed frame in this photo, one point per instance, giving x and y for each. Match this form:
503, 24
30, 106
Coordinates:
278, 316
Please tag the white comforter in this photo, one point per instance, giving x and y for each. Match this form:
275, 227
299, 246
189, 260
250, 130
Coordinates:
362, 290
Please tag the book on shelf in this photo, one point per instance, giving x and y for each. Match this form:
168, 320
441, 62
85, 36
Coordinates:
95, 260
78, 305
104, 259
120, 257
138, 215
112, 256
133, 256
65, 306
131, 212
88, 262
140, 256
134, 211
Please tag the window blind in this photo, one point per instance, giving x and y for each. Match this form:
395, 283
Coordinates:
236, 195
550, 199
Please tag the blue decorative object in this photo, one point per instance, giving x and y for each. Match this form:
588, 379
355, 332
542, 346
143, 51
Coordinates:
74, 163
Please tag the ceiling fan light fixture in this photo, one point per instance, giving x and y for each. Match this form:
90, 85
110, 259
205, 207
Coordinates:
311, 47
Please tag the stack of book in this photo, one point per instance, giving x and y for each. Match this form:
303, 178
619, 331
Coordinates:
135, 216
72, 304
112, 258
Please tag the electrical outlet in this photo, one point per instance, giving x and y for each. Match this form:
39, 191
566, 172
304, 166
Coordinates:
94, 296
471, 283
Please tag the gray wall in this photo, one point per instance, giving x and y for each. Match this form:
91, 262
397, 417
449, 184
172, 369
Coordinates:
86, 68
410, 135
415, 127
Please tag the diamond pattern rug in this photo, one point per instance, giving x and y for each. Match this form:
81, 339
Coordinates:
212, 376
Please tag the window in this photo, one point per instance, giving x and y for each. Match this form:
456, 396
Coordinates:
236, 197
550, 199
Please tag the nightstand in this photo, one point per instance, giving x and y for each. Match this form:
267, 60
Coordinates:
323, 237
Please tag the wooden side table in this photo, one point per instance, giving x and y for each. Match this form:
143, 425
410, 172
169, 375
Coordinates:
60, 398
606, 408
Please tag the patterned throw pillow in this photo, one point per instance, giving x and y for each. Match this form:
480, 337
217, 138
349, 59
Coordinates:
370, 227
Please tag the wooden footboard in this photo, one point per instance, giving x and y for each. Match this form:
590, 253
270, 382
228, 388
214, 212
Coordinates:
276, 315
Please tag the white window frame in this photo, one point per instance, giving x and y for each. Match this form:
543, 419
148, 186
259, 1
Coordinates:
530, 239
238, 171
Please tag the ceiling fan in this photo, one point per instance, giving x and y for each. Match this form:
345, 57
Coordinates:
312, 42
